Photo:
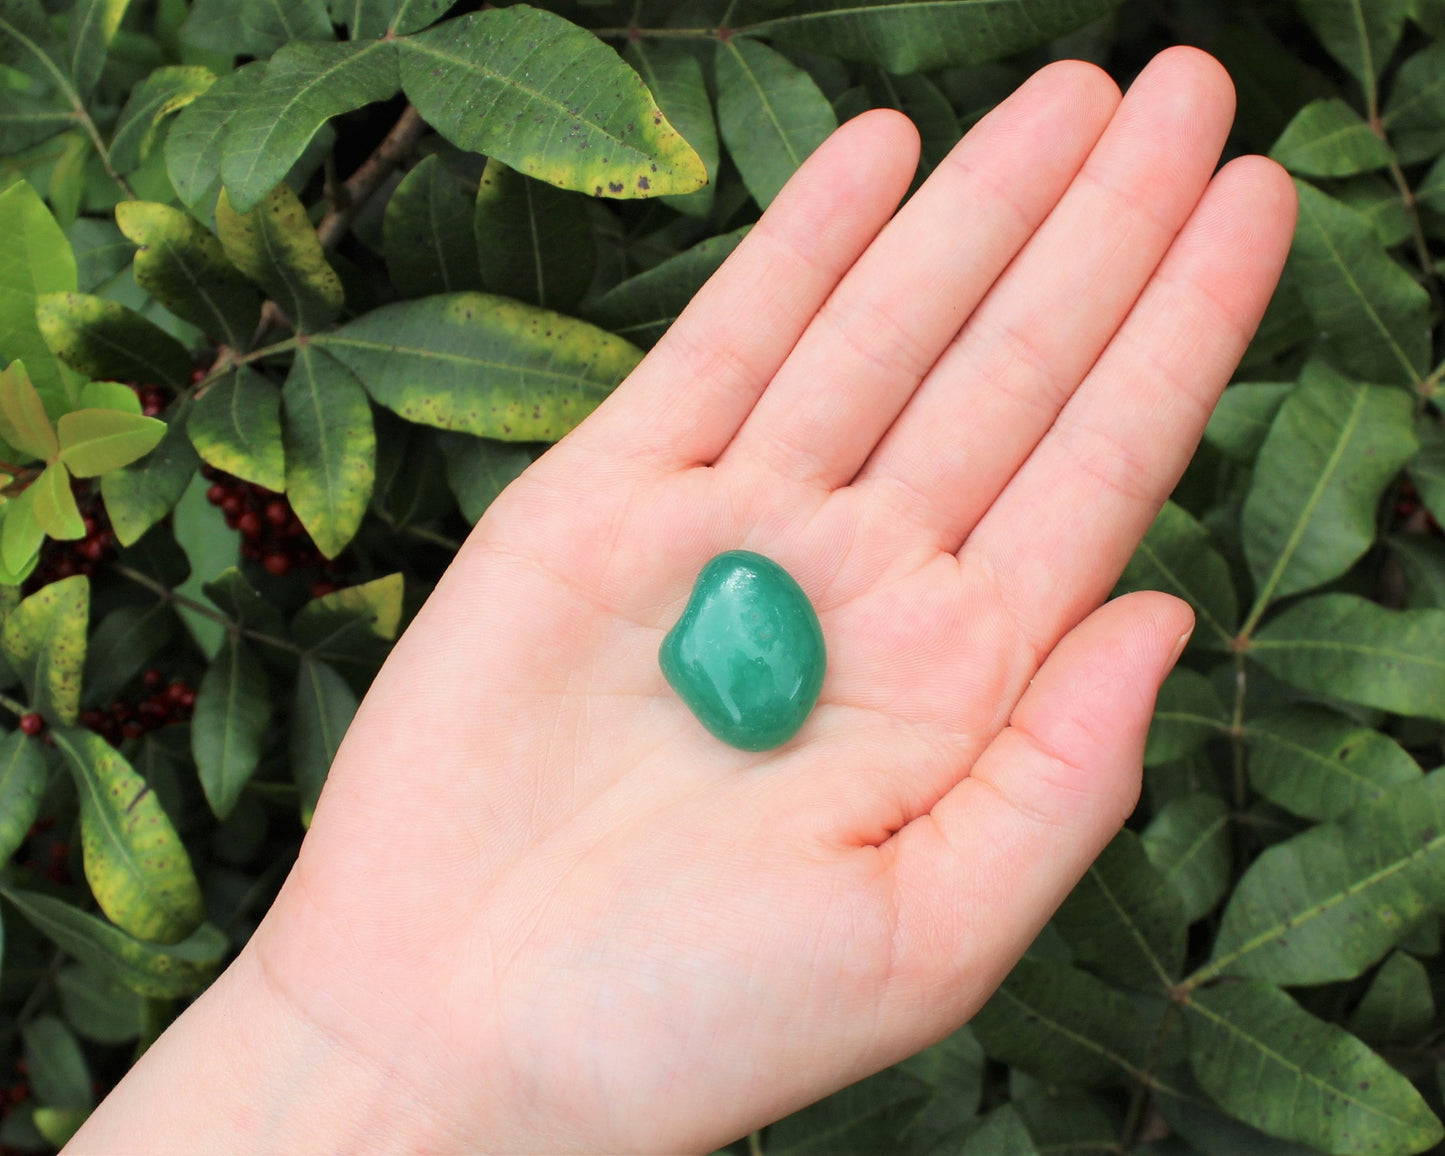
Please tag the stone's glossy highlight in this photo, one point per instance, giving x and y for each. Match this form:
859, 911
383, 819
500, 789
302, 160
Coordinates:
747, 655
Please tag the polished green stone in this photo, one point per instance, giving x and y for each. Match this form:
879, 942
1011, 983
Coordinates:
747, 655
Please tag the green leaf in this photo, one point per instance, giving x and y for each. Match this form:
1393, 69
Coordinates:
58, 1125
26, 120
1002, 1133
44, 640
54, 504
27, 43
164, 92
1422, 564
1209, 1132
918, 35
354, 626
322, 710
23, 422
1398, 1006
103, 339
770, 113
20, 537
93, 25
482, 365
236, 427
66, 187
109, 395
23, 776
35, 259
1187, 714
1327, 138
1176, 556
643, 307
1273, 1065
674, 77
230, 724
1188, 842
479, 469
953, 1070
183, 266
1319, 765
126, 640
1374, 317
233, 594
153, 970
1379, 201
304, 86
1062, 1025
1350, 648
1327, 903
1333, 449
1427, 468
276, 247
864, 1117
330, 448
134, 860
428, 233
211, 548
1360, 34
98, 1006
196, 138
140, 495
101, 252
58, 1074
1415, 116
1241, 420
1123, 920
534, 242
540, 78
255, 27
96, 441
368, 18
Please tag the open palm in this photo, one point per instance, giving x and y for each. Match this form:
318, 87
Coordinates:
540, 898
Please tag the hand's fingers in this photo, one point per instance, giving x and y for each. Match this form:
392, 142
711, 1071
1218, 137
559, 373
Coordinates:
1060, 533
1025, 349
684, 403
901, 304
978, 876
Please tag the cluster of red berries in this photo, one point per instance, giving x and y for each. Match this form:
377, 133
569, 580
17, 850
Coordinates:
271, 533
18, 1091
82, 555
1409, 508
45, 854
153, 398
164, 704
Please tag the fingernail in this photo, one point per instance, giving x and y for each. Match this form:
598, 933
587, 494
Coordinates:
1180, 645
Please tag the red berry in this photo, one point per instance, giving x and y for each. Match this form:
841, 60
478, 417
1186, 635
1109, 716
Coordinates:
198, 375
120, 711
210, 473
32, 724
133, 729
277, 564
152, 678
91, 525
92, 719
59, 852
322, 589
233, 520
188, 699
232, 504
177, 691
64, 567
249, 524
151, 409
88, 569
252, 551
217, 493
278, 513
93, 550
19, 1092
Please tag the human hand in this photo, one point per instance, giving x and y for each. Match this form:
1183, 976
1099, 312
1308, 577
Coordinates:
540, 908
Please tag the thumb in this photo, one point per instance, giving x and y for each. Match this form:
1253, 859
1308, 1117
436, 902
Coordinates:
982, 873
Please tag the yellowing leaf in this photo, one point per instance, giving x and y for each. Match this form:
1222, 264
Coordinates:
23, 422
44, 639
55, 507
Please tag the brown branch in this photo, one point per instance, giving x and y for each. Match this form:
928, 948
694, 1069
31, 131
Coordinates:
357, 189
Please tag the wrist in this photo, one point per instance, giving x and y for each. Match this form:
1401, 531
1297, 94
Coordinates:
243, 1071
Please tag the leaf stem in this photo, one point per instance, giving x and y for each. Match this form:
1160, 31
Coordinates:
755, 1143
13, 706
1140, 1096
1236, 733
635, 33
166, 594
357, 189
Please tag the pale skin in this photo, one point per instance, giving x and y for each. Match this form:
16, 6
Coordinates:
540, 908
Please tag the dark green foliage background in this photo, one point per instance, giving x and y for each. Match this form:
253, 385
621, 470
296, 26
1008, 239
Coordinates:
1253, 966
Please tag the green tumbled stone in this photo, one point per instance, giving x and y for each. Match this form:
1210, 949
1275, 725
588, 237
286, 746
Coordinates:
747, 654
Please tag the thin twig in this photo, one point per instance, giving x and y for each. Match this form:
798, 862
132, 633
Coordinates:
357, 189
166, 594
